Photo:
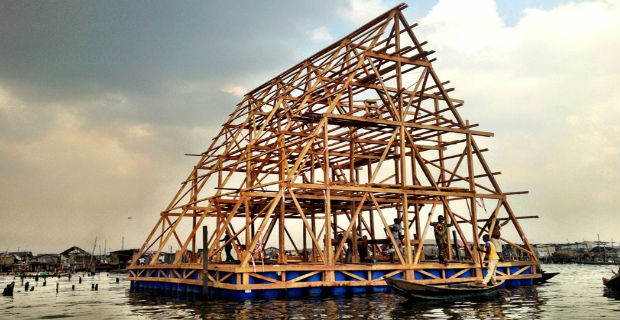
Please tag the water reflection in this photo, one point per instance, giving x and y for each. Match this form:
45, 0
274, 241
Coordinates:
507, 304
522, 302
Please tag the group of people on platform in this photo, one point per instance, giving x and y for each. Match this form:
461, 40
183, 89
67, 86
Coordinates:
442, 233
492, 246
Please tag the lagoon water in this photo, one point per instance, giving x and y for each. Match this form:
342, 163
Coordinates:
576, 293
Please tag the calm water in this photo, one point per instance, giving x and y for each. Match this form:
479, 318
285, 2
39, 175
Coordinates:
577, 293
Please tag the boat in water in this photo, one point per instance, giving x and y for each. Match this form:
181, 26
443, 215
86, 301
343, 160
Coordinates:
613, 282
454, 291
545, 276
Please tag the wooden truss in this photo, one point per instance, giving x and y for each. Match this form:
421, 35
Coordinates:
361, 132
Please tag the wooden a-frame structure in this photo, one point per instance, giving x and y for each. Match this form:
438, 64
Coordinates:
359, 133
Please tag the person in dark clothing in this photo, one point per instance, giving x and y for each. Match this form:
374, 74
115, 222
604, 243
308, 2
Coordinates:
441, 237
362, 248
348, 249
228, 248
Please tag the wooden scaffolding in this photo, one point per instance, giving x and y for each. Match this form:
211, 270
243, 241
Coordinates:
327, 152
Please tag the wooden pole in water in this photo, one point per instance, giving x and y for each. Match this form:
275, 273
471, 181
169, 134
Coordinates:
205, 259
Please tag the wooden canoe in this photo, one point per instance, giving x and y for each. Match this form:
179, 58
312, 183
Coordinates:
613, 282
545, 276
454, 291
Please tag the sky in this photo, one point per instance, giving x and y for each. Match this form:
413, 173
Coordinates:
100, 100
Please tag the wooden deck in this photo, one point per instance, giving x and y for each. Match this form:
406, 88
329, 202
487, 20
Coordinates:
234, 277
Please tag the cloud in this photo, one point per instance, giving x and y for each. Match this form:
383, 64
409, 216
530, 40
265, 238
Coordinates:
235, 90
321, 34
8, 103
77, 173
360, 11
547, 88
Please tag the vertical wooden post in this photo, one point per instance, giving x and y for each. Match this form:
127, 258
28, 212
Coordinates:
474, 218
403, 150
304, 230
314, 248
456, 247
193, 256
205, 262
442, 176
329, 249
281, 174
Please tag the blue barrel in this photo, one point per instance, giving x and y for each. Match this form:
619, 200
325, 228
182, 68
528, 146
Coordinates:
194, 276
338, 291
421, 276
527, 282
243, 294
226, 293
271, 275
451, 272
357, 289
377, 274
293, 292
313, 291
167, 286
194, 289
502, 269
267, 293
513, 283
215, 292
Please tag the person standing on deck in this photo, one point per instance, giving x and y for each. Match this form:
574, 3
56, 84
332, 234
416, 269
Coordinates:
441, 237
228, 248
395, 229
489, 249
362, 248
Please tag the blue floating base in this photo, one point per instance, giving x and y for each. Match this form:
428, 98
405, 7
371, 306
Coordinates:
513, 283
294, 293
268, 294
527, 282
376, 289
338, 291
313, 291
357, 289
192, 291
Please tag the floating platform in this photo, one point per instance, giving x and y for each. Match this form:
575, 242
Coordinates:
296, 280
320, 160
